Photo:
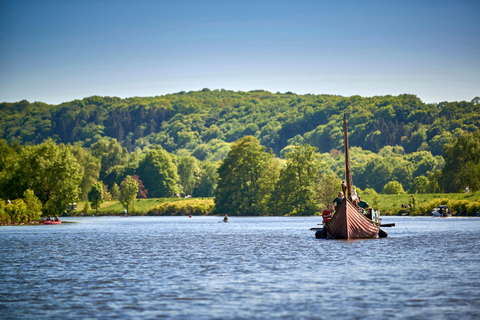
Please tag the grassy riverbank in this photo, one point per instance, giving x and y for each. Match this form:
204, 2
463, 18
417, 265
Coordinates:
391, 204
154, 207
387, 204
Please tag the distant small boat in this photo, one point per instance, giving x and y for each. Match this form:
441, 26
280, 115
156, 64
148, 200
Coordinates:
51, 221
442, 211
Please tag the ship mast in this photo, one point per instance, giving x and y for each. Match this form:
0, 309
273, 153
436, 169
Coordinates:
347, 160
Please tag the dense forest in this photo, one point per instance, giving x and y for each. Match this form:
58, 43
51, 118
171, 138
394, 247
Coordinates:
203, 122
182, 139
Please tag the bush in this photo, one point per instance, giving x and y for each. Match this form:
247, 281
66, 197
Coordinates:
393, 187
187, 207
34, 206
17, 211
4, 217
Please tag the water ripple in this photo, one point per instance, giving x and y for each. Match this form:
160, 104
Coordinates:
261, 268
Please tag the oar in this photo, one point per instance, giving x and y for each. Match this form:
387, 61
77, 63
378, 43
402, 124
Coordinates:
388, 225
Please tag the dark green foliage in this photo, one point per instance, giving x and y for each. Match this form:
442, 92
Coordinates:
89, 168
34, 206
207, 181
393, 187
188, 174
296, 190
95, 196
128, 193
187, 120
158, 173
51, 171
244, 179
462, 163
17, 211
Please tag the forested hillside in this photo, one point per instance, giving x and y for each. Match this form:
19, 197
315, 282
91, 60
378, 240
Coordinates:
281, 153
201, 122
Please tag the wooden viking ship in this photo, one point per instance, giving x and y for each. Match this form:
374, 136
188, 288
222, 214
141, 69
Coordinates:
348, 222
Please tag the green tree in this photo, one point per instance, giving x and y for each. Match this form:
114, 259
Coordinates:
89, 168
377, 173
128, 193
327, 188
95, 196
110, 153
207, 183
8, 164
52, 172
243, 186
393, 187
295, 192
34, 206
115, 191
86, 208
462, 163
158, 173
419, 185
17, 210
188, 174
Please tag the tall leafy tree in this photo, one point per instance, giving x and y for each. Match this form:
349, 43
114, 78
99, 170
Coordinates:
159, 173
52, 172
110, 153
462, 163
188, 174
95, 196
142, 192
419, 185
295, 192
128, 193
34, 206
393, 187
243, 179
8, 164
89, 167
115, 191
327, 188
207, 182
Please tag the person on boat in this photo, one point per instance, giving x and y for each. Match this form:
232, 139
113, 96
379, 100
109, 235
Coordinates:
369, 214
344, 187
327, 214
48, 219
362, 205
56, 218
338, 200
225, 219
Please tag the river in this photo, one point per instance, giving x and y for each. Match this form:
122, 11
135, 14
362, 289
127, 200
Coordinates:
249, 268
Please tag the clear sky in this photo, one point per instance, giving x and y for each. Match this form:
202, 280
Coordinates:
56, 51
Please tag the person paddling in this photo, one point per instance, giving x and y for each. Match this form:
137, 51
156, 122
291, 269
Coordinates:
327, 214
225, 219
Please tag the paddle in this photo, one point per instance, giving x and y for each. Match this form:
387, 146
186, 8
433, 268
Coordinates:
388, 225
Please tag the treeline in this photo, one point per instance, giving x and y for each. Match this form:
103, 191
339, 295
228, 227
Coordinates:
46, 178
203, 123
57, 175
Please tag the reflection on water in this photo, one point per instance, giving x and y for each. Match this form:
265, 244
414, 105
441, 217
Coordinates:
268, 267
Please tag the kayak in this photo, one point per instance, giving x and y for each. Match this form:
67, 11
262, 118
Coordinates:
51, 222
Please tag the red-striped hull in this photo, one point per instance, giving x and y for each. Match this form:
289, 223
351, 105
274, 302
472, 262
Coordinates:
349, 223
52, 222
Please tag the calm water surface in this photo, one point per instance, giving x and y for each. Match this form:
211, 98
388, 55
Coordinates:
249, 268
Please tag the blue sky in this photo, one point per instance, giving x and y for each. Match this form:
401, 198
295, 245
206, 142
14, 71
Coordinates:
57, 51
